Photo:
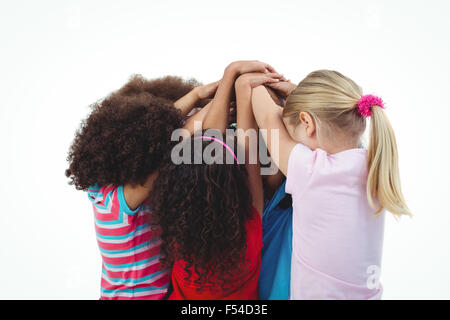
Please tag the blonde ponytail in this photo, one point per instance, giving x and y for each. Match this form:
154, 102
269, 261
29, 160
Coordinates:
383, 180
340, 110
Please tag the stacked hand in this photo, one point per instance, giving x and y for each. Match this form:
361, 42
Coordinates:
283, 88
255, 79
256, 73
207, 91
247, 66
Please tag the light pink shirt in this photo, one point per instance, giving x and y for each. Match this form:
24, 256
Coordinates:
337, 240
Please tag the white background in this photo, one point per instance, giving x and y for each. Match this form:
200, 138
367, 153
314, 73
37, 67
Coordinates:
57, 57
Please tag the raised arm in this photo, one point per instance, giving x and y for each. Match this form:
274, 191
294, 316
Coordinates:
248, 128
135, 195
217, 116
217, 113
268, 116
245, 121
187, 102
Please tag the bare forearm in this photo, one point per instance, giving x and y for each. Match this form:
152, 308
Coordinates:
217, 116
268, 116
246, 123
187, 102
199, 118
245, 118
264, 109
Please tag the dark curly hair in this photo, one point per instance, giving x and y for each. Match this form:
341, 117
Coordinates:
127, 135
171, 88
202, 210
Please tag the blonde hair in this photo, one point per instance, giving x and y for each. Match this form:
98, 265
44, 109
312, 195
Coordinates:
332, 101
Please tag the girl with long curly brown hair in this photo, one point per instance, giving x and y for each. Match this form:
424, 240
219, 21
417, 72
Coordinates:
209, 213
115, 157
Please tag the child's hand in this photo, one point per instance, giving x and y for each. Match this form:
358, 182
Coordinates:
207, 91
241, 67
255, 79
283, 88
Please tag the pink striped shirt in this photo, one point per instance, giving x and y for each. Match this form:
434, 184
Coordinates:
129, 247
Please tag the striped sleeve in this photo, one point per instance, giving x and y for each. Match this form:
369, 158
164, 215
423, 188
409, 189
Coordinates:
129, 247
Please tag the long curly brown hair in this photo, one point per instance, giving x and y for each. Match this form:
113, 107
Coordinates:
169, 87
126, 136
202, 210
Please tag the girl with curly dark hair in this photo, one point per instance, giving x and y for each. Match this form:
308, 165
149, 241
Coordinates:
115, 158
209, 213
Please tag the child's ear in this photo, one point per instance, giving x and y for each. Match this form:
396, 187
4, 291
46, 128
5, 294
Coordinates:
308, 123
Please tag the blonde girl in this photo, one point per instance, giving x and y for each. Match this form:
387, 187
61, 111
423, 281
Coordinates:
339, 190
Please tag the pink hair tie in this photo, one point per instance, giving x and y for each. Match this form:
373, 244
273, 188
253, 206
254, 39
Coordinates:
366, 103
